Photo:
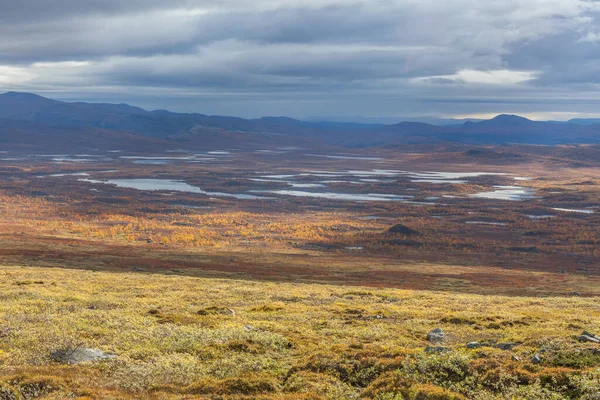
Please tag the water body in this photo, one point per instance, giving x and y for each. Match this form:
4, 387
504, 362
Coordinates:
344, 157
305, 185
457, 181
452, 175
71, 159
170, 185
485, 223
510, 193
574, 210
426, 177
340, 196
151, 162
72, 174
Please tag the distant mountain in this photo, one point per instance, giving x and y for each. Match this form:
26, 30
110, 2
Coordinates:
504, 120
391, 120
585, 121
93, 123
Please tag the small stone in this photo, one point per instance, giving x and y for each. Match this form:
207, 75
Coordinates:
589, 337
585, 338
586, 333
516, 358
436, 336
80, 355
576, 294
505, 346
536, 359
437, 349
473, 345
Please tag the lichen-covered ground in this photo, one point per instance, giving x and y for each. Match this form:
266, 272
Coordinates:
179, 337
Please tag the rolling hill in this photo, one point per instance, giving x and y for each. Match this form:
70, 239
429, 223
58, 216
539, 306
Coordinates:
30, 121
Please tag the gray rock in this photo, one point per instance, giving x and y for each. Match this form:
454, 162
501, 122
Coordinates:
589, 337
80, 355
437, 349
473, 345
436, 336
516, 358
505, 346
536, 359
585, 338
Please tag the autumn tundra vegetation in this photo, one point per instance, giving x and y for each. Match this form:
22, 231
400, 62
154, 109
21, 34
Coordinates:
282, 275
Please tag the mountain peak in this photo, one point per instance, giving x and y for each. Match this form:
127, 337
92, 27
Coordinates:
23, 95
510, 118
24, 98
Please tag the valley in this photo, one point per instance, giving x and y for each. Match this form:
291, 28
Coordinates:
377, 218
243, 259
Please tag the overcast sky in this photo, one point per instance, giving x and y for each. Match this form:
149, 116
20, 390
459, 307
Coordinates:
539, 58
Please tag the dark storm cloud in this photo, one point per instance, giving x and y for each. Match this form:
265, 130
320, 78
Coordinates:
293, 56
16, 12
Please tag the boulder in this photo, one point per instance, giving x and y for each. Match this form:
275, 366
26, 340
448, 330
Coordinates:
80, 355
436, 336
473, 345
536, 359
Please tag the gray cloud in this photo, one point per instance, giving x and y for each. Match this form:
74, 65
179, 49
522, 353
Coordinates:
298, 57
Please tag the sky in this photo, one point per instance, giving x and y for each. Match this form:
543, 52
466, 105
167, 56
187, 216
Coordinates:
303, 58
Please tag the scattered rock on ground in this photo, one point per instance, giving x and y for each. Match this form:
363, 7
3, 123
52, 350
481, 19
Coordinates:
80, 355
589, 337
536, 359
437, 349
473, 345
436, 336
516, 358
505, 346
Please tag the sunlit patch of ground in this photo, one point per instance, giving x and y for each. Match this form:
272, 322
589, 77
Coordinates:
184, 337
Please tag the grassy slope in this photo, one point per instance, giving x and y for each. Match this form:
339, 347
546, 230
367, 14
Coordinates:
284, 340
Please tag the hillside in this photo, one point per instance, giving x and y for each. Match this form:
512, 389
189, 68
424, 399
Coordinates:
173, 337
204, 131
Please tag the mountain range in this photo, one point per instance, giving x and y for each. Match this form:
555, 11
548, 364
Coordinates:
29, 122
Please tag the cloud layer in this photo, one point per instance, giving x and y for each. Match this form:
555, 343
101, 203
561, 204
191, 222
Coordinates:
309, 57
